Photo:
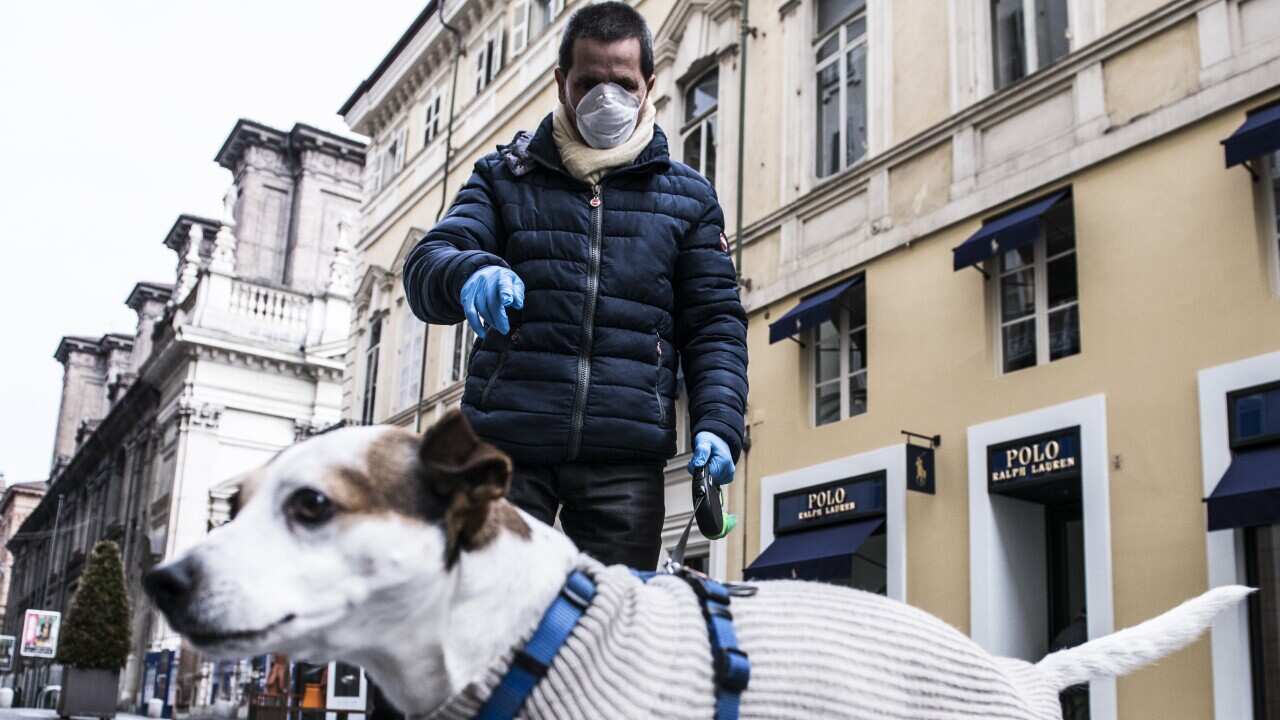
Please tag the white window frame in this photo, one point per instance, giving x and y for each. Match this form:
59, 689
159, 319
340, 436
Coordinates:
844, 375
454, 366
1269, 184
1031, 47
519, 26
369, 392
1040, 273
431, 116
489, 58
391, 158
702, 121
839, 57
412, 337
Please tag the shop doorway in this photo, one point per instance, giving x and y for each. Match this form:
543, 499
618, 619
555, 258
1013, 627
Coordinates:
1262, 569
1068, 618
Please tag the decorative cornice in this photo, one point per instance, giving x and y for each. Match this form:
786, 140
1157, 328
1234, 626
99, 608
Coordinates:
179, 233
144, 291
248, 133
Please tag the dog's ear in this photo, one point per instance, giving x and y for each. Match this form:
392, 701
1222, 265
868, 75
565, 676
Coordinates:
467, 475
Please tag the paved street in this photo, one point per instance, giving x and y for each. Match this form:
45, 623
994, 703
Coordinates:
33, 714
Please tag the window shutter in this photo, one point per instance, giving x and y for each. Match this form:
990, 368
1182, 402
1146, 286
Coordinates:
400, 148
496, 65
557, 6
520, 27
481, 69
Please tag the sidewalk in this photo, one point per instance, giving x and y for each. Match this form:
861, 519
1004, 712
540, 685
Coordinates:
38, 714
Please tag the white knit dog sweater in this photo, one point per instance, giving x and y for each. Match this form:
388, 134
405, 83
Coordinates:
817, 651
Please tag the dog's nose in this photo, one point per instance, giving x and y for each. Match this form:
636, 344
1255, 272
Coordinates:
170, 585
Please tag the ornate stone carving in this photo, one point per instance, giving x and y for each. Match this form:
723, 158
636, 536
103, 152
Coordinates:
340, 269
205, 416
189, 271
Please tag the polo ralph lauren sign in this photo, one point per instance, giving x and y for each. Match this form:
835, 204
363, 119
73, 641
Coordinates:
829, 503
1037, 459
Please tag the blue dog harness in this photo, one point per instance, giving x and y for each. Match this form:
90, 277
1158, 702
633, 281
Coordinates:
730, 663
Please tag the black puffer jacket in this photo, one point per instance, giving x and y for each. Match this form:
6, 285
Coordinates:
620, 280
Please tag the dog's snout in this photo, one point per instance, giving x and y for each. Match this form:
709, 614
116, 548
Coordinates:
170, 585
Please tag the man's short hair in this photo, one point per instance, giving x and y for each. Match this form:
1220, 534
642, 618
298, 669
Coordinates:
607, 22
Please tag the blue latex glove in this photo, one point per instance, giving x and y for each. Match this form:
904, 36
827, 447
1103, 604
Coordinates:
709, 448
487, 294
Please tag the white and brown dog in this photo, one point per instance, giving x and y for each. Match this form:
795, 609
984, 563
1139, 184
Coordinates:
399, 553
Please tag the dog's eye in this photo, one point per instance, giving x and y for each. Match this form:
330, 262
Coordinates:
309, 507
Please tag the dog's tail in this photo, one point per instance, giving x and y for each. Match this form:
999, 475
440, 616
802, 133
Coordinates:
1127, 650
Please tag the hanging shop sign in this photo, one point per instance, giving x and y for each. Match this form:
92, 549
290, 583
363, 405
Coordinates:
40, 633
830, 503
920, 476
1042, 458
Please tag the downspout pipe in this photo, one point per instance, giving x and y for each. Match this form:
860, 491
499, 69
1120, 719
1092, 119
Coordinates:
744, 30
458, 52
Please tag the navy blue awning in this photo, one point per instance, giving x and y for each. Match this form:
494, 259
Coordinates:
811, 311
1259, 135
1249, 492
819, 554
1009, 231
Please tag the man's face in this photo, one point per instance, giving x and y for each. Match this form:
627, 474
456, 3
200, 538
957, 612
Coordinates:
595, 62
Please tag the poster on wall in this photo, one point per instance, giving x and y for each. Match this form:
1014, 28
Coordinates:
7, 644
40, 633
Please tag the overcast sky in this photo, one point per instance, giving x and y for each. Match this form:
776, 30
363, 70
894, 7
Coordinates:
112, 113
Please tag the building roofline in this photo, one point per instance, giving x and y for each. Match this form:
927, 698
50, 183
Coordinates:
147, 290
395, 51
176, 239
251, 132
95, 345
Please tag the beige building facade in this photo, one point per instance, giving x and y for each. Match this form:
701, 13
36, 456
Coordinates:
1006, 226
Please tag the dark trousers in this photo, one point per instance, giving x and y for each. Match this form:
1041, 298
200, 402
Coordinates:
611, 511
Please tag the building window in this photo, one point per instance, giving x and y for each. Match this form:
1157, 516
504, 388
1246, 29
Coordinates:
1262, 571
488, 58
1271, 169
412, 339
1019, 47
371, 372
463, 338
841, 43
431, 118
840, 360
529, 18
390, 160
700, 103
1039, 319
1253, 416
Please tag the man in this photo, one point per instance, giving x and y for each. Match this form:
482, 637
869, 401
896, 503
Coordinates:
588, 261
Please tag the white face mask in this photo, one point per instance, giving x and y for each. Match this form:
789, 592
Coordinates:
607, 115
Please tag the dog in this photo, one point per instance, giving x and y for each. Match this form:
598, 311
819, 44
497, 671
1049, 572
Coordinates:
399, 553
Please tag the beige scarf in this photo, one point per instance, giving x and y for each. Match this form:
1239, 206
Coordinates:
589, 164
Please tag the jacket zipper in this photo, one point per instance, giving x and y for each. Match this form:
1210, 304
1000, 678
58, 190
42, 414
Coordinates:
588, 323
657, 395
502, 358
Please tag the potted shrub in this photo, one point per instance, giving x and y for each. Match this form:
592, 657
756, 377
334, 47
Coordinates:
94, 643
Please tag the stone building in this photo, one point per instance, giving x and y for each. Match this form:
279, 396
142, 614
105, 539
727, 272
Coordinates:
18, 500
238, 357
1005, 224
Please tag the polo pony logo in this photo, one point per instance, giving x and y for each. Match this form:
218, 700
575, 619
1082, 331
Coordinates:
922, 476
